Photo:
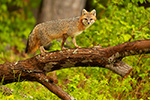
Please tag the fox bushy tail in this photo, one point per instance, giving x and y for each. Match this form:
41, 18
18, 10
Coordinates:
32, 43
27, 46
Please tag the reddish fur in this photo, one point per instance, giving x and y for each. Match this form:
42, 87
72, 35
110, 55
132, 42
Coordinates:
34, 45
33, 48
81, 26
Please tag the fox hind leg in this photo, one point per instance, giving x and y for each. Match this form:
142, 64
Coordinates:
63, 41
42, 50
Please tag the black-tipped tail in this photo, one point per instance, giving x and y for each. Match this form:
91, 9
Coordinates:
27, 46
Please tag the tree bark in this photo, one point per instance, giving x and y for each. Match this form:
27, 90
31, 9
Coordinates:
35, 68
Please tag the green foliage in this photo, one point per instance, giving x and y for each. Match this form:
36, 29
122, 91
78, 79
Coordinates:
16, 23
118, 21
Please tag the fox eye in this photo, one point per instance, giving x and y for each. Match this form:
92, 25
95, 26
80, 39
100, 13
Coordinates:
91, 19
85, 19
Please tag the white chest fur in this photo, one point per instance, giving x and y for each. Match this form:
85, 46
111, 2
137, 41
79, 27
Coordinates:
77, 33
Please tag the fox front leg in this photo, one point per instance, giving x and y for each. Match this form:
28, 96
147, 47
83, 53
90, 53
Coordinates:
74, 42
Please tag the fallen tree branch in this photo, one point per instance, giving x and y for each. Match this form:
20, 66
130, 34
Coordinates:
35, 68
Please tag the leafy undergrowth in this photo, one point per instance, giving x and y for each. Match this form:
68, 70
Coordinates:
121, 21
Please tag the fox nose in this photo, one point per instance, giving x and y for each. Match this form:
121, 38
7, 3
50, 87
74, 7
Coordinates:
88, 22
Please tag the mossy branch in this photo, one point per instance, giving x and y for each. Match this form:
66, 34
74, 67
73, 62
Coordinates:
35, 68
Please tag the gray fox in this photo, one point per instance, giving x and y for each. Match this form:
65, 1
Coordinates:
45, 32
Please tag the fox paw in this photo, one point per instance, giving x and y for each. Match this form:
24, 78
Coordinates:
63, 48
78, 47
43, 53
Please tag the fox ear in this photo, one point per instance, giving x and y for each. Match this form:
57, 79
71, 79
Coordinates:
93, 12
84, 12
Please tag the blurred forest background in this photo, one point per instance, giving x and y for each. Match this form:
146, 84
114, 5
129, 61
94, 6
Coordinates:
118, 21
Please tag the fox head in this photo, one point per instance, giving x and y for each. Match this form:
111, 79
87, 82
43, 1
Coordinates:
88, 18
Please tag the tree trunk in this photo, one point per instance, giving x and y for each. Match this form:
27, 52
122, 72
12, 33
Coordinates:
35, 68
59, 9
